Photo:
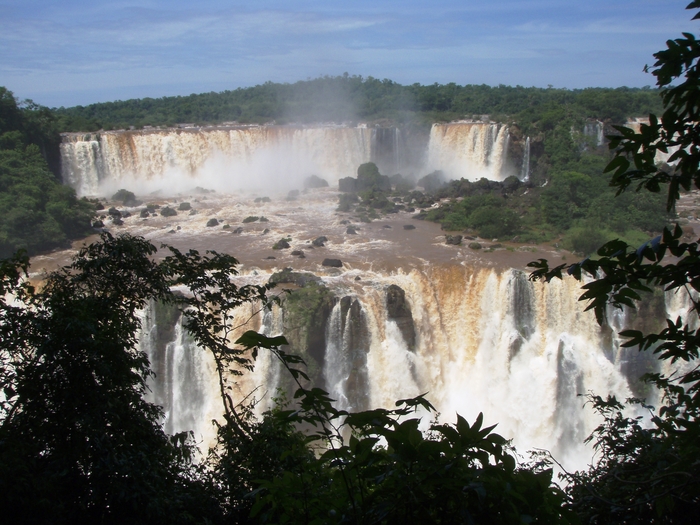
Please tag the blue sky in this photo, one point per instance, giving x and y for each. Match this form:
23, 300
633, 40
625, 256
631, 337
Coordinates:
69, 52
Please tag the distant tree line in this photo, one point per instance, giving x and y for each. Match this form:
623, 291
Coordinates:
353, 97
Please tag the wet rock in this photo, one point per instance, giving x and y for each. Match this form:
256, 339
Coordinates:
314, 181
387, 227
351, 230
168, 212
144, 213
345, 222
455, 240
297, 253
347, 185
184, 206
212, 222
114, 212
409, 227
266, 230
399, 311
282, 244
333, 263
193, 212
475, 246
289, 276
270, 257
98, 224
319, 242
293, 195
117, 221
237, 230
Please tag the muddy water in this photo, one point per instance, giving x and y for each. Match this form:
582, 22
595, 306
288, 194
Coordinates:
383, 245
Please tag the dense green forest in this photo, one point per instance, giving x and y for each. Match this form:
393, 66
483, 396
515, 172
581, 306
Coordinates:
37, 212
352, 98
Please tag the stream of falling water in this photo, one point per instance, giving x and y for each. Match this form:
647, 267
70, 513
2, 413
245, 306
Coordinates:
485, 341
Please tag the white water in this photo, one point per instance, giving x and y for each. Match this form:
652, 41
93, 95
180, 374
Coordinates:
260, 157
486, 341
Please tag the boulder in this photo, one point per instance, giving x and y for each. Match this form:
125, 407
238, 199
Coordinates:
168, 212
319, 242
144, 213
184, 206
351, 230
212, 222
453, 239
282, 244
289, 276
399, 311
314, 181
409, 227
333, 263
475, 246
347, 185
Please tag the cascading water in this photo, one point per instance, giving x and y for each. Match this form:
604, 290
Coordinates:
525, 170
469, 150
476, 340
406, 313
186, 382
259, 157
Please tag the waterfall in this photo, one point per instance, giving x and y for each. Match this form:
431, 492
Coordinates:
475, 339
469, 150
525, 170
185, 382
260, 157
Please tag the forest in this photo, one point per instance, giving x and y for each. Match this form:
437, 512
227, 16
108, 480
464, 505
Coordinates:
355, 98
37, 212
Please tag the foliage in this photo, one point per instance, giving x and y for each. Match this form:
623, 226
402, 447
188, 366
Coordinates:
377, 466
648, 471
349, 98
78, 442
37, 212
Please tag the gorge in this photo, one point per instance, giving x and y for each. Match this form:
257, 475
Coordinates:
404, 315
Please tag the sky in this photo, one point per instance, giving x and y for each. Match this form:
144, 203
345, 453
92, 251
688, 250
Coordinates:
77, 52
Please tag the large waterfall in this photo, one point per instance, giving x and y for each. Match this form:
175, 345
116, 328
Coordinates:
255, 157
475, 339
405, 313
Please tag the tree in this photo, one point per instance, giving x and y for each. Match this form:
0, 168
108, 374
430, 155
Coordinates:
648, 471
78, 442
